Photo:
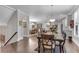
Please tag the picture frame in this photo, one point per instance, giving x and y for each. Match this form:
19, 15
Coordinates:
20, 23
71, 23
24, 24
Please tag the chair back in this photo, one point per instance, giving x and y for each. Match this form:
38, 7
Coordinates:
47, 39
64, 37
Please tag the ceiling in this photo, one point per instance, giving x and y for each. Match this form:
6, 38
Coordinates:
41, 13
5, 14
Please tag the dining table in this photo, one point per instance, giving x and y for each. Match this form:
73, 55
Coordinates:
57, 37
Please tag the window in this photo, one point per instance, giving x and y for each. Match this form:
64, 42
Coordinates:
76, 23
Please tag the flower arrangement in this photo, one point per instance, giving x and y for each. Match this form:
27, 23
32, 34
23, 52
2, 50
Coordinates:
54, 29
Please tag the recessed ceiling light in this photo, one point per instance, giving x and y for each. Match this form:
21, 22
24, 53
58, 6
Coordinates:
52, 20
32, 23
33, 20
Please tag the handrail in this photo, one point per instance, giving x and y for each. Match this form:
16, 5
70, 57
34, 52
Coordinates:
10, 38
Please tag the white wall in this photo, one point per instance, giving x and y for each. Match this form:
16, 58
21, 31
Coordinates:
76, 22
65, 22
2, 32
22, 31
59, 27
69, 31
12, 28
3, 29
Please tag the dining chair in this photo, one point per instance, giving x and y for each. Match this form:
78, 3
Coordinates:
47, 42
61, 44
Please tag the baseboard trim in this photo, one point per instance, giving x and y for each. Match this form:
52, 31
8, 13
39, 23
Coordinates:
75, 41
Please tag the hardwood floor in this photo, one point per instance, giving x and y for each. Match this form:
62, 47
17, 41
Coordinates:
29, 45
71, 47
11, 48
23, 46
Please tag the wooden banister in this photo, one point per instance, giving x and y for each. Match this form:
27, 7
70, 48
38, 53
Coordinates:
10, 38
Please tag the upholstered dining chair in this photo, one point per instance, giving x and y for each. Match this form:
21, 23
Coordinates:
61, 44
47, 42
64, 37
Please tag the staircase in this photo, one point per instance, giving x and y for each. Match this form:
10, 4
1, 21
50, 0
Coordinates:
10, 39
5, 47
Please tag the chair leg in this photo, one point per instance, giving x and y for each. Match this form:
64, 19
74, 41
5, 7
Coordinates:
53, 50
63, 49
43, 49
60, 48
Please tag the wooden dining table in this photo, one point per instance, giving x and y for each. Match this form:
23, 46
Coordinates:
57, 37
